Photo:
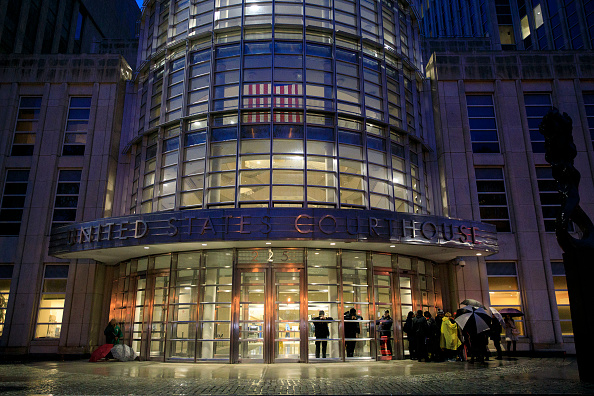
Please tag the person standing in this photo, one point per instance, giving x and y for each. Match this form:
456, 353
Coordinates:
511, 333
449, 340
113, 333
321, 332
410, 335
496, 335
385, 332
351, 329
420, 329
438, 355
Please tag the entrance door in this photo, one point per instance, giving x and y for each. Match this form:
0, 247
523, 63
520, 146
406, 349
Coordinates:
267, 316
158, 315
384, 328
253, 334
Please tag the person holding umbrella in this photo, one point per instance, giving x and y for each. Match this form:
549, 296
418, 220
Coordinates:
475, 323
511, 333
496, 329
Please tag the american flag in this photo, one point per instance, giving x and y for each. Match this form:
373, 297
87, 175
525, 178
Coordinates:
280, 101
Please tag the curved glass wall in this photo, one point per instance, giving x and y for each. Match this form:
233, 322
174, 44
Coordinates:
308, 104
240, 305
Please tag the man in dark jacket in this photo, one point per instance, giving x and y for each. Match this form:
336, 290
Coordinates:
420, 329
438, 354
410, 335
321, 331
351, 329
496, 330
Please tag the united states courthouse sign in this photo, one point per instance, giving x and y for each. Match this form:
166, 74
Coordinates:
272, 225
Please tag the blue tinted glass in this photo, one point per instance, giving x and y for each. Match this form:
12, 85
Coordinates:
257, 48
70, 175
397, 150
288, 60
537, 111
486, 111
483, 136
288, 132
477, 100
350, 138
221, 134
414, 158
537, 99
79, 114
589, 98
56, 271
376, 144
485, 148
319, 50
501, 268
80, 102
489, 173
538, 147
17, 175
371, 63
229, 50
195, 138
31, 102
536, 136
482, 123
347, 56
151, 151
255, 132
258, 61
320, 133
533, 123
391, 73
200, 56
227, 64
170, 144
288, 48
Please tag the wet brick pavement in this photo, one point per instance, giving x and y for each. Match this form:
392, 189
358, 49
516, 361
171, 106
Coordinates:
525, 375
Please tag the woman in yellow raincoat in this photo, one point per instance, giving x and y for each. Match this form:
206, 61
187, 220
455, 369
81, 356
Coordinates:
449, 340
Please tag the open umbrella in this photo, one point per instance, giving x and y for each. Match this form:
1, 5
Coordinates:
472, 302
497, 315
123, 353
511, 312
100, 352
474, 321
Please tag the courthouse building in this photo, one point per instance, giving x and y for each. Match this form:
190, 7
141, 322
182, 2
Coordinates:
268, 160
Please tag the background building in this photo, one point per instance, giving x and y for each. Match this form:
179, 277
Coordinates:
62, 117
490, 95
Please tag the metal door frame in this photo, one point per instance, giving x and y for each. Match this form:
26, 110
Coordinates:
269, 270
393, 278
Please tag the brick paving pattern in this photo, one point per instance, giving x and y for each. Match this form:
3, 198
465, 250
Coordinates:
536, 375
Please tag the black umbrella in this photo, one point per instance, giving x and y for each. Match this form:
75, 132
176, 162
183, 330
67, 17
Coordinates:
511, 312
474, 320
472, 302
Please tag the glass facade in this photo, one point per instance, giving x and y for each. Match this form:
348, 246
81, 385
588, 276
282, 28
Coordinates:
241, 305
285, 105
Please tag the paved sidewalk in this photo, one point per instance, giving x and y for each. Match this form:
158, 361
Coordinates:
524, 375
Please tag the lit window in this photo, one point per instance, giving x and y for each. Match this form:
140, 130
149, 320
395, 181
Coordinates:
51, 302
562, 297
504, 291
26, 126
5, 279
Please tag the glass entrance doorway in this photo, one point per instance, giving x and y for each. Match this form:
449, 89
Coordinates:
268, 315
384, 325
